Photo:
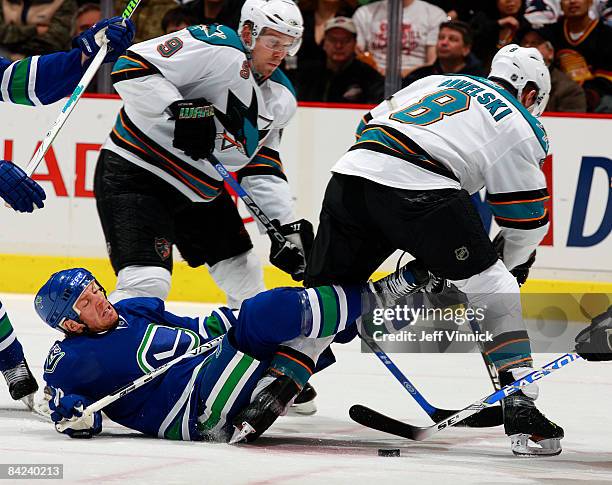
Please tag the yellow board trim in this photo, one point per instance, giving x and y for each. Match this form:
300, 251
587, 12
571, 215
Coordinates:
577, 300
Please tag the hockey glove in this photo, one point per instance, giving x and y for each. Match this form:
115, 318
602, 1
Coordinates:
521, 271
70, 407
194, 128
119, 38
19, 190
595, 342
291, 257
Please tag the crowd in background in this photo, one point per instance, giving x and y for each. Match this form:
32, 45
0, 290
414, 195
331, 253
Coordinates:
343, 53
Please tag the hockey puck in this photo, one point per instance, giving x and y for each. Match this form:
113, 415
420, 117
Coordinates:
388, 452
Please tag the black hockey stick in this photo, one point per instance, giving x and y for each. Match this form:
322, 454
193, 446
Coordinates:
488, 417
375, 420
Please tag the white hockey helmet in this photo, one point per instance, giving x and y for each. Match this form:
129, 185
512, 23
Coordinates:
520, 65
281, 15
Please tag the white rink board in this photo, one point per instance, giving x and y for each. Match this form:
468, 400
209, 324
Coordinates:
311, 144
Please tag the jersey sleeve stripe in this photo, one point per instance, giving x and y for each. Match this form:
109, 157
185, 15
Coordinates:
519, 210
518, 197
132, 66
265, 162
19, 83
362, 124
525, 224
32, 81
6, 82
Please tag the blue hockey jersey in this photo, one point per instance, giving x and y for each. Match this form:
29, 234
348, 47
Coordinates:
147, 336
39, 80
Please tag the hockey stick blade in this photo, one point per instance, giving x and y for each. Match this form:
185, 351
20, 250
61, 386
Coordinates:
373, 419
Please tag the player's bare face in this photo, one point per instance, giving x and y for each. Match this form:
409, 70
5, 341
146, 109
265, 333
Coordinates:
270, 49
95, 310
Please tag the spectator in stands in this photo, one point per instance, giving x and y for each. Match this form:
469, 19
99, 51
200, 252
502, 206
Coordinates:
316, 13
453, 54
30, 27
147, 17
177, 19
420, 23
584, 52
340, 78
85, 17
543, 12
565, 95
503, 27
226, 12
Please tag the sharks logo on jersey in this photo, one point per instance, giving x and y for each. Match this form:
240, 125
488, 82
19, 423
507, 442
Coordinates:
241, 120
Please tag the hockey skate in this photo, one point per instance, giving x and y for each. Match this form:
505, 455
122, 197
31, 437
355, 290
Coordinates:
523, 422
409, 279
304, 403
21, 383
269, 403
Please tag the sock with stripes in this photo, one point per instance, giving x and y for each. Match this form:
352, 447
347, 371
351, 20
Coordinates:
292, 363
11, 351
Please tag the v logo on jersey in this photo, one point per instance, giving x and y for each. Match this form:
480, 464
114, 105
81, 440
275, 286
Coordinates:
240, 121
55, 355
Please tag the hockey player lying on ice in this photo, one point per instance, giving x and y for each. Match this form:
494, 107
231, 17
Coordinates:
270, 350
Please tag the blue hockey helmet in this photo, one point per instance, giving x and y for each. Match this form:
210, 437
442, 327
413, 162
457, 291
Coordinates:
55, 300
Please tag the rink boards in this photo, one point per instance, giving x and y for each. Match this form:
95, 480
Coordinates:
576, 255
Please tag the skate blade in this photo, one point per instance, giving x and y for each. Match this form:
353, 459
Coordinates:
521, 447
240, 434
28, 401
304, 409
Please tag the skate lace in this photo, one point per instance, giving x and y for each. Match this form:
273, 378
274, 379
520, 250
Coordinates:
398, 286
16, 374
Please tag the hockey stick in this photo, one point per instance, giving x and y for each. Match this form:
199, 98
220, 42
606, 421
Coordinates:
373, 419
132, 386
271, 230
75, 96
485, 418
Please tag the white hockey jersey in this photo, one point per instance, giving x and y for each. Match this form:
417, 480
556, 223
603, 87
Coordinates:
204, 61
457, 131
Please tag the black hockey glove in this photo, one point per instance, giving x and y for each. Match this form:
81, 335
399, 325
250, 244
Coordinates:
521, 271
595, 342
194, 130
291, 257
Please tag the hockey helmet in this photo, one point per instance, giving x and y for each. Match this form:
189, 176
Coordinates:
55, 300
520, 65
280, 15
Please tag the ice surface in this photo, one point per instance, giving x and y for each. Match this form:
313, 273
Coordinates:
328, 447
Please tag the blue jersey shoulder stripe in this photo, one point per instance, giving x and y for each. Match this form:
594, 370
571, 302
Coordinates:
536, 126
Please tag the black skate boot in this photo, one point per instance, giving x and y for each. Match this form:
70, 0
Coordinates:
269, 403
523, 422
304, 402
21, 383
